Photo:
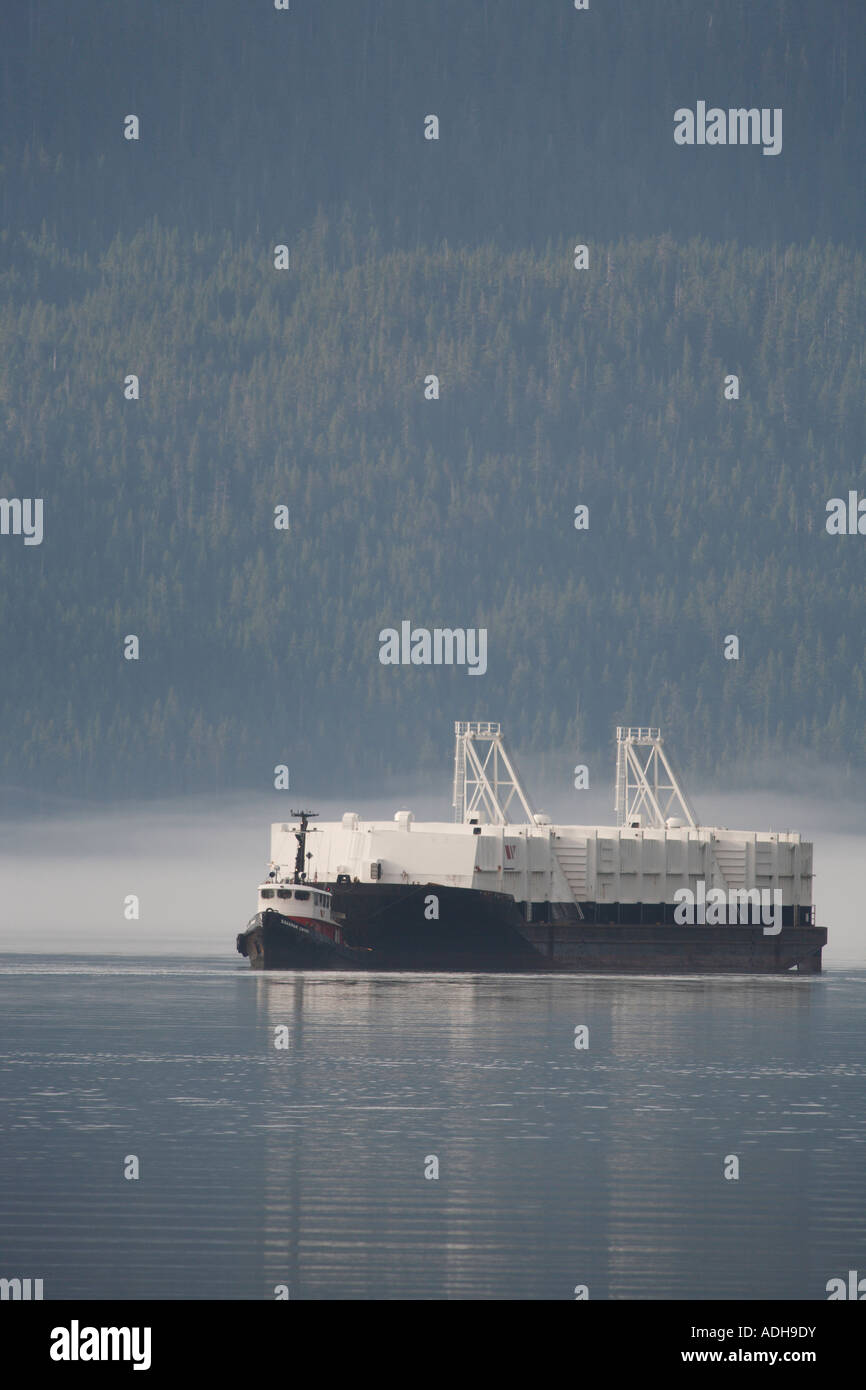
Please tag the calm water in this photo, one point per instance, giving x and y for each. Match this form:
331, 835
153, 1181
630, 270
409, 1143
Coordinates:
305, 1166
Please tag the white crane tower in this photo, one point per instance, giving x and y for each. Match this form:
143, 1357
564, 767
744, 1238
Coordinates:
486, 784
647, 790
485, 779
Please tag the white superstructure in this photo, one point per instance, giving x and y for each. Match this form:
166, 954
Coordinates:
643, 860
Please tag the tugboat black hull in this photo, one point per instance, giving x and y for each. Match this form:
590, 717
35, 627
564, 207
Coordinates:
273, 941
432, 927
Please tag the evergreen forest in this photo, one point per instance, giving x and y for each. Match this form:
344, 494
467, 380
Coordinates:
308, 389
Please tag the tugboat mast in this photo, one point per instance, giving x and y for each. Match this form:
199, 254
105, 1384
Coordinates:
301, 837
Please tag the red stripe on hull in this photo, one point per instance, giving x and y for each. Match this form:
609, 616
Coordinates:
327, 929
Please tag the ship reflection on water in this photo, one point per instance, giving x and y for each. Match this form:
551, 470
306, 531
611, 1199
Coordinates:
312, 1164
558, 1166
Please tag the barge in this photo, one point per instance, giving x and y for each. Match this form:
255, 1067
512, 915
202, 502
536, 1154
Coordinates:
654, 893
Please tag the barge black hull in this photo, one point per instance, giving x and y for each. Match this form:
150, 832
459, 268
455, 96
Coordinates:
433, 927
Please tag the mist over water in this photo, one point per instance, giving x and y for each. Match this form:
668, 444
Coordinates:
305, 1166
195, 865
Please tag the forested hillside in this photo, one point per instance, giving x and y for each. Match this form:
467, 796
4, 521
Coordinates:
305, 388
554, 123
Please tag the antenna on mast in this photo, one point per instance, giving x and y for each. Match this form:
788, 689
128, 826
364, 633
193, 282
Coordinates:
301, 837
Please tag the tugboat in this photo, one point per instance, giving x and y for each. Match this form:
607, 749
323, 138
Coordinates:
295, 927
